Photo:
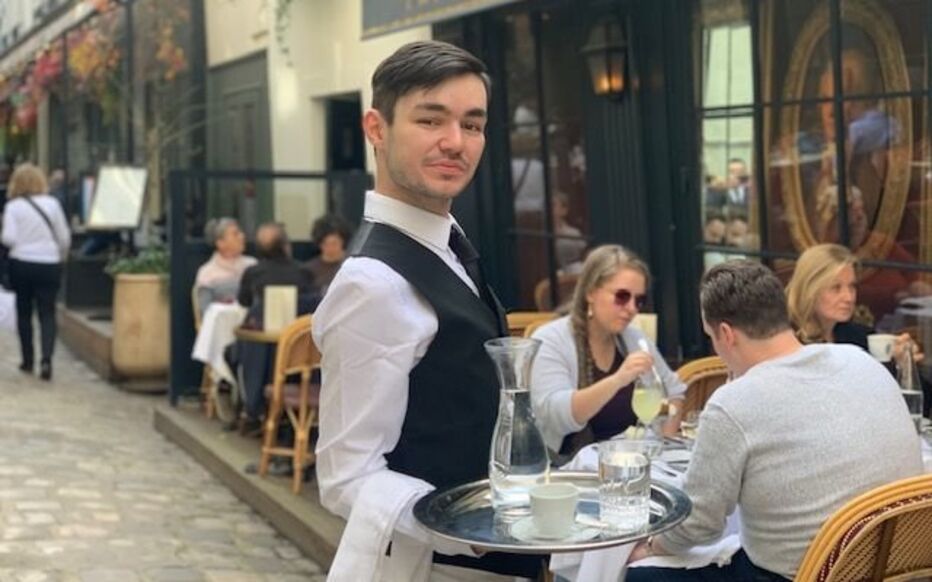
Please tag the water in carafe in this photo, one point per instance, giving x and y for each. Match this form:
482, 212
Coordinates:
518, 458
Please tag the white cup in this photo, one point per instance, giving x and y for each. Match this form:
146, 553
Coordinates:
881, 346
553, 507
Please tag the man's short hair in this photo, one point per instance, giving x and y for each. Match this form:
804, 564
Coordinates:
747, 296
421, 65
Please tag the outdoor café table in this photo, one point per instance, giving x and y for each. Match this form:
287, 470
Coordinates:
217, 332
609, 565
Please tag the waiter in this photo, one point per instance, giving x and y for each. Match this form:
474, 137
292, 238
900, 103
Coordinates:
409, 396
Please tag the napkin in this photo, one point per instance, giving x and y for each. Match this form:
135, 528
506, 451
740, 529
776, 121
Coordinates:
719, 553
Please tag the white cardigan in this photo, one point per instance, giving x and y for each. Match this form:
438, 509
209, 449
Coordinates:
556, 373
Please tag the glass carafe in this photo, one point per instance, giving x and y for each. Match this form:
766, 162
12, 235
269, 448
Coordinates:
518, 457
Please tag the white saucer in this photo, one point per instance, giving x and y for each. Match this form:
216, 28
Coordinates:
524, 530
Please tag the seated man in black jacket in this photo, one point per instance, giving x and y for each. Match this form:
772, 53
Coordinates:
275, 267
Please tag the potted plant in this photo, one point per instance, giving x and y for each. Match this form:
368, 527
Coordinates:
140, 348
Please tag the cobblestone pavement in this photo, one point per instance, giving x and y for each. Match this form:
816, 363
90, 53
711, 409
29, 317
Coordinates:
90, 492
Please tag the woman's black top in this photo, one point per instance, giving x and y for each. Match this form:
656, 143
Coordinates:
613, 418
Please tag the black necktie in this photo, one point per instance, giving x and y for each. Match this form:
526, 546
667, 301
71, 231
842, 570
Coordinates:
468, 256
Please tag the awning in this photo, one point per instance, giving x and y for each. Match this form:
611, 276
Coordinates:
385, 16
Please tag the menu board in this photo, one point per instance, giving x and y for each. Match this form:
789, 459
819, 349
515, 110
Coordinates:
118, 198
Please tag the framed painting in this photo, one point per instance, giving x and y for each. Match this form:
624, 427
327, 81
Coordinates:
878, 132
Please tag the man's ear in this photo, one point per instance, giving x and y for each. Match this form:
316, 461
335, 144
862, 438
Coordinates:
374, 126
726, 333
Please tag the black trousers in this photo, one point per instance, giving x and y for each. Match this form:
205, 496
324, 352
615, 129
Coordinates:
36, 285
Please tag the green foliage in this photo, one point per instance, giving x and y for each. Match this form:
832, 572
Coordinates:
152, 260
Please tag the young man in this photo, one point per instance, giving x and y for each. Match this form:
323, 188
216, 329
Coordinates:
409, 396
800, 431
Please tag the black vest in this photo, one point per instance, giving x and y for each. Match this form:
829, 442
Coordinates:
453, 391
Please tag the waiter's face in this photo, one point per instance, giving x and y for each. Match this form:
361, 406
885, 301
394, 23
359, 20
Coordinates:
430, 151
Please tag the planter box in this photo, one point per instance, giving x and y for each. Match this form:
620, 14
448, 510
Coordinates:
140, 326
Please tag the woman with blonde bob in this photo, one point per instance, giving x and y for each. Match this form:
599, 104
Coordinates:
822, 296
36, 232
583, 376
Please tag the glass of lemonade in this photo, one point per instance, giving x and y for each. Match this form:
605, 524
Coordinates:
647, 400
624, 485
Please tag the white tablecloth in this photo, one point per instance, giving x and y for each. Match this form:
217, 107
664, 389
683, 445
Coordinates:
216, 333
609, 565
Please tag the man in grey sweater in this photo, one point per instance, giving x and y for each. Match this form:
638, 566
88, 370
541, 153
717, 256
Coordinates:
799, 432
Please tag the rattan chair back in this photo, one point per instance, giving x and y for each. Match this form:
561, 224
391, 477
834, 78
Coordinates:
518, 321
702, 377
882, 535
296, 355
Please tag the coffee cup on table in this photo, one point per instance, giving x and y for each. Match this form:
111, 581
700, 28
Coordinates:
880, 346
553, 509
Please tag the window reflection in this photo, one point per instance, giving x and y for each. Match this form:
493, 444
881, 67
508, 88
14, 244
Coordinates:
560, 167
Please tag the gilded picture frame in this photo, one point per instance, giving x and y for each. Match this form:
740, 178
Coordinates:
878, 26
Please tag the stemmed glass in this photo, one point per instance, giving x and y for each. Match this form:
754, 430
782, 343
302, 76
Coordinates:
646, 401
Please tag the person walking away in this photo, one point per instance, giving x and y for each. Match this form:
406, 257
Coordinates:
36, 232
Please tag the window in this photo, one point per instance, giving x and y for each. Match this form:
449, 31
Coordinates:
814, 117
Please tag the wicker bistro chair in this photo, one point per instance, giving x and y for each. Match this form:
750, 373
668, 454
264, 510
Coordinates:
702, 377
884, 534
296, 355
520, 321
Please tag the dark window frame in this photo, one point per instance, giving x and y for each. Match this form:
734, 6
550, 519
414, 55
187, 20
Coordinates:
757, 110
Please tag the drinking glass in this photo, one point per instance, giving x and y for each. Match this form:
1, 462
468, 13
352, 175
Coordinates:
908, 378
689, 427
624, 485
647, 400
914, 403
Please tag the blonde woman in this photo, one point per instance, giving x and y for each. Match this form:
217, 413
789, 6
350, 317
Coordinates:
822, 295
584, 374
36, 232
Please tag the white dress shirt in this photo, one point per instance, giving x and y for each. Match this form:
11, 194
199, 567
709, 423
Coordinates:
372, 328
27, 235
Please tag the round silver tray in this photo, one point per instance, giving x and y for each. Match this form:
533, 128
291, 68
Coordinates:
464, 514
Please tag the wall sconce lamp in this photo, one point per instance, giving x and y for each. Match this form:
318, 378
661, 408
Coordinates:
606, 53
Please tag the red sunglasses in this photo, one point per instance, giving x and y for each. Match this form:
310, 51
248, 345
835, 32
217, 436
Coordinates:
623, 297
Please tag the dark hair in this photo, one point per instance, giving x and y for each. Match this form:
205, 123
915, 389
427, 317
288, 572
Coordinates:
276, 247
421, 65
746, 295
330, 224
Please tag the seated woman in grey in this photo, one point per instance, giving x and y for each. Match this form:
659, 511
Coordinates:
583, 377
218, 279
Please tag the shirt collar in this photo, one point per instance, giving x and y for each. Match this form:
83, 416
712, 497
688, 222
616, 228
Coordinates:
420, 224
